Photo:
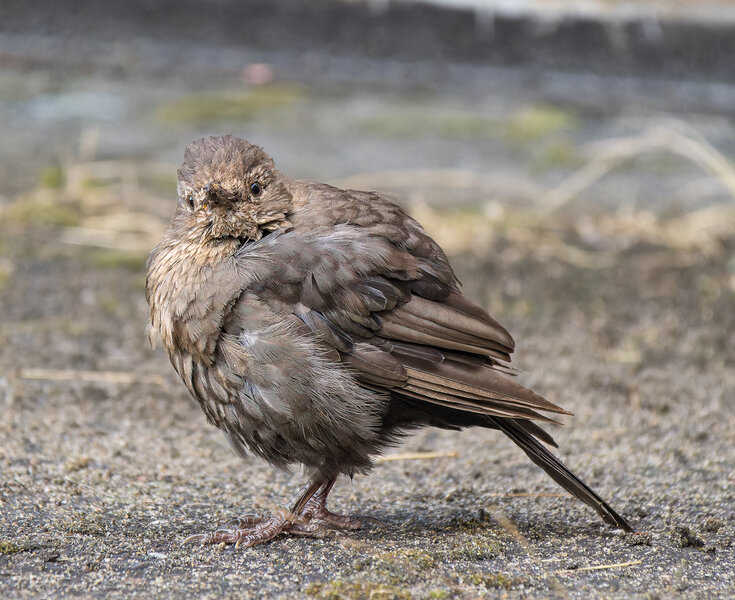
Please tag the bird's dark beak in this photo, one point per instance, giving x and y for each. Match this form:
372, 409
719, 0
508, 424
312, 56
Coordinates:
217, 194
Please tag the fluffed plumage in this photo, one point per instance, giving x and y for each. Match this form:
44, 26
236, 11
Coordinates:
316, 325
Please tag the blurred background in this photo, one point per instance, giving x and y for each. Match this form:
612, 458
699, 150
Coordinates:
574, 158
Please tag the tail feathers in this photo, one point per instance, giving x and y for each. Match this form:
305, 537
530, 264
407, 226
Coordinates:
515, 429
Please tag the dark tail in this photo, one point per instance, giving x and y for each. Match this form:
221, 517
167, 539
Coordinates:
515, 429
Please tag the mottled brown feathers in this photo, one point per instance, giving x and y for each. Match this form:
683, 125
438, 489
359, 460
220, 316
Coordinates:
316, 325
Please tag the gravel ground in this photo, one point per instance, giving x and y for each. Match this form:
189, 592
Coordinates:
102, 480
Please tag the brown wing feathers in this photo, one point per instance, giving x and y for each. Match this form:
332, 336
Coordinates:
400, 323
429, 368
461, 381
430, 323
443, 380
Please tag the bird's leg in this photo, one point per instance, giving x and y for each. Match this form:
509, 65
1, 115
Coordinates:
316, 508
247, 520
250, 530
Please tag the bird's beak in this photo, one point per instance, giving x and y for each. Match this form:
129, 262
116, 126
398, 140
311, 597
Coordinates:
216, 193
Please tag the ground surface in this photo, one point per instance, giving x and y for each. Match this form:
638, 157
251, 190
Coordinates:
603, 239
103, 480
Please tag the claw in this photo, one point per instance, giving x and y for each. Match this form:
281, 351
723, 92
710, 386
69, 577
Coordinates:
200, 538
313, 529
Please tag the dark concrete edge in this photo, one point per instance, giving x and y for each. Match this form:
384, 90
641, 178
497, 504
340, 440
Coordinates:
403, 31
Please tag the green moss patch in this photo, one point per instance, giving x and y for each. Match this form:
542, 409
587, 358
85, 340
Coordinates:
237, 106
356, 590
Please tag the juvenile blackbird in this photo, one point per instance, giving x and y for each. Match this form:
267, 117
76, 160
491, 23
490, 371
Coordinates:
316, 325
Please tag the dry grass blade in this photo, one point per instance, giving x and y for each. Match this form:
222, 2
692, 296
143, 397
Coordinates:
675, 137
513, 530
528, 495
631, 563
417, 456
118, 377
101, 238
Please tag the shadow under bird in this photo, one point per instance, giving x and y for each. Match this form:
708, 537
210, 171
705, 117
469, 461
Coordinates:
317, 326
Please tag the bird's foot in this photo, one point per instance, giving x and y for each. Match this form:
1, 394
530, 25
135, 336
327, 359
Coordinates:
312, 529
337, 521
316, 509
307, 516
245, 521
250, 530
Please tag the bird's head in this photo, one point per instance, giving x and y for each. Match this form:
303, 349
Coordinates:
230, 189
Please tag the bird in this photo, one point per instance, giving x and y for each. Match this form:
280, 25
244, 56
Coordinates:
317, 326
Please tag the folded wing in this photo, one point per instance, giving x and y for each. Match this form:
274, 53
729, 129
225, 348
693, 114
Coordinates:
398, 321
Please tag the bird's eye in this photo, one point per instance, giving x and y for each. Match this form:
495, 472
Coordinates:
190, 200
256, 188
